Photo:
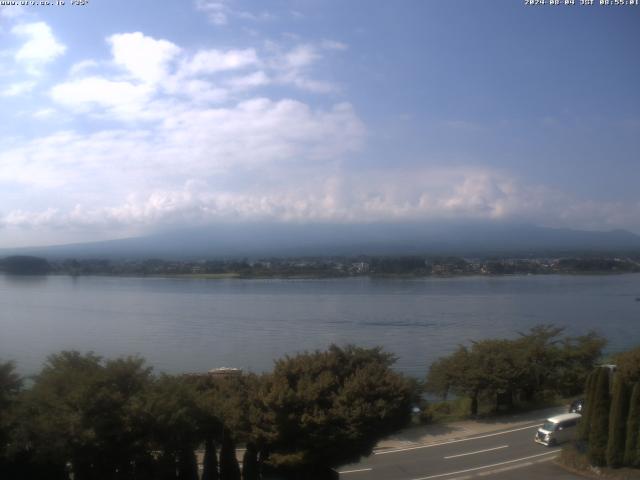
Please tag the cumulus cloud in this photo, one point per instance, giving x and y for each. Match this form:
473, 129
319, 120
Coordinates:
334, 195
18, 88
145, 58
41, 46
213, 61
152, 79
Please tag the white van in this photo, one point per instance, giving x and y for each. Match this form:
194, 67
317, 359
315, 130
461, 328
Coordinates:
558, 429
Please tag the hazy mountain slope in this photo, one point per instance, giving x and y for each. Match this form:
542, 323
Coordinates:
324, 239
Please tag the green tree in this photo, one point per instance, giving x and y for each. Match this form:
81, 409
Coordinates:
84, 411
250, 463
173, 414
632, 443
229, 468
577, 358
618, 422
539, 351
589, 391
10, 386
599, 419
325, 409
210, 462
628, 365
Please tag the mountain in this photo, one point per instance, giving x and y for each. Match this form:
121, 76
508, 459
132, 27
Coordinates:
282, 240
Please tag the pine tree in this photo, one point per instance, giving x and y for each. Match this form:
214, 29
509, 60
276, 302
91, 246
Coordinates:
599, 419
250, 463
618, 423
229, 468
210, 463
632, 444
187, 465
583, 432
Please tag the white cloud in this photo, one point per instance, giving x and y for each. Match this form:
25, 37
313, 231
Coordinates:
217, 11
120, 98
145, 58
16, 89
252, 80
333, 45
214, 61
335, 195
82, 67
41, 46
11, 11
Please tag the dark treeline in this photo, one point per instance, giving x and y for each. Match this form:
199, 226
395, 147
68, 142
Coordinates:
325, 266
91, 418
540, 364
609, 433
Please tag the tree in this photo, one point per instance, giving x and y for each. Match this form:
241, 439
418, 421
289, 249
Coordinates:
599, 419
210, 462
85, 411
628, 365
25, 265
541, 354
250, 463
632, 442
618, 422
589, 391
325, 409
229, 468
10, 386
577, 358
173, 413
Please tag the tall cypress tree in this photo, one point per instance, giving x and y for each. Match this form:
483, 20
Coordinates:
618, 423
210, 463
632, 444
250, 463
187, 465
229, 468
583, 431
599, 420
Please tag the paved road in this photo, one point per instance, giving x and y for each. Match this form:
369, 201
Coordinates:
496, 453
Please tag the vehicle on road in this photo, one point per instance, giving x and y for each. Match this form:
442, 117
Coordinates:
577, 406
558, 429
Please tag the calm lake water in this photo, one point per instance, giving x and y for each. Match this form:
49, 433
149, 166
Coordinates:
193, 325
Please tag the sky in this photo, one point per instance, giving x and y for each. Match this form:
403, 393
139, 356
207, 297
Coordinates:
120, 118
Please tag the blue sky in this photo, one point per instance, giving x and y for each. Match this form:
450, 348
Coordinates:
120, 118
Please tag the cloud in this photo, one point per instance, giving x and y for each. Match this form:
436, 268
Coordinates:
334, 195
11, 11
19, 88
214, 61
219, 12
161, 79
333, 45
40, 48
145, 58
121, 99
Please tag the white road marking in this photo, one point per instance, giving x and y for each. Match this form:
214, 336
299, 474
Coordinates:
478, 451
356, 471
386, 452
487, 466
505, 469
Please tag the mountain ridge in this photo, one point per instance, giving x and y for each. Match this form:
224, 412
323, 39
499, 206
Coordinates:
287, 240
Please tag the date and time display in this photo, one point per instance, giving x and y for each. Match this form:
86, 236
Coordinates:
584, 3
43, 3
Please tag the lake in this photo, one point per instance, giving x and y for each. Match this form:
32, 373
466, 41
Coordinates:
193, 325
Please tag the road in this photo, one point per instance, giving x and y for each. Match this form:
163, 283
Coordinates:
479, 456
